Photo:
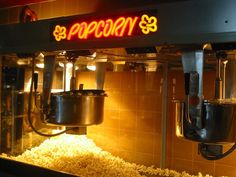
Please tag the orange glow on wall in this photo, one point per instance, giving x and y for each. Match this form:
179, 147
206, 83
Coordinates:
110, 27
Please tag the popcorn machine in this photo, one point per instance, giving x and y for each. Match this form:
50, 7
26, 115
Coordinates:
140, 31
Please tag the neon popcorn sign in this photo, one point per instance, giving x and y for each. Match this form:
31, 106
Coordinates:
114, 27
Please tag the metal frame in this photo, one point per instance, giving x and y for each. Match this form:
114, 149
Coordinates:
164, 118
1, 58
190, 22
184, 22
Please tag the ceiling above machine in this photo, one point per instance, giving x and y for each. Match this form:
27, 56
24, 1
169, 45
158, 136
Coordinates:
13, 3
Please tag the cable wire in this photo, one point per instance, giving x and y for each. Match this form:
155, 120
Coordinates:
29, 108
217, 157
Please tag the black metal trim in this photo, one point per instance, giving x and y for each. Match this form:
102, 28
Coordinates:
194, 22
19, 169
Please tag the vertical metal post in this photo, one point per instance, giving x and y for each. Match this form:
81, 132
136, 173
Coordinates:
193, 64
100, 74
49, 69
164, 115
1, 58
13, 122
223, 77
64, 77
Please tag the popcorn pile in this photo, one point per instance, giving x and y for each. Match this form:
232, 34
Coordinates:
78, 155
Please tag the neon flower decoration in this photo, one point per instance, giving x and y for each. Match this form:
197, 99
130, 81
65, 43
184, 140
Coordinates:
148, 24
59, 32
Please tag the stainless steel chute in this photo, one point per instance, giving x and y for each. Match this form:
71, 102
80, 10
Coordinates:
209, 122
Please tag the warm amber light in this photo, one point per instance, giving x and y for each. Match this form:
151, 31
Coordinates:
40, 65
91, 67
